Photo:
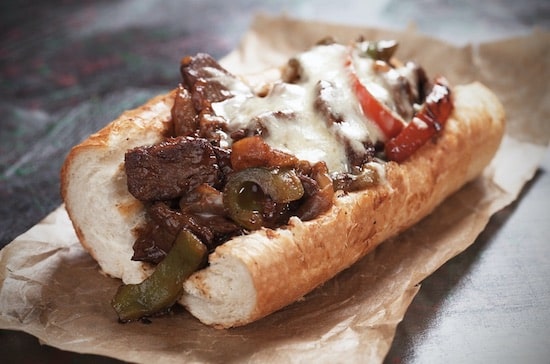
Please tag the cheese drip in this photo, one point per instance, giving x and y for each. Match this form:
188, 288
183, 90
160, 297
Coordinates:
292, 124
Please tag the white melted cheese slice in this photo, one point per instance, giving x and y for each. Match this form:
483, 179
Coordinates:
305, 134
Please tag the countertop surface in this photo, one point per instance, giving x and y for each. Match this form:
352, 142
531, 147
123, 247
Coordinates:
69, 67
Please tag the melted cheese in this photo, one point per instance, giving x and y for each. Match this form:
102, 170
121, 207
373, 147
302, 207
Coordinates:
305, 133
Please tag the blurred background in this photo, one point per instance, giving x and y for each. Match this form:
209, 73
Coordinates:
69, 67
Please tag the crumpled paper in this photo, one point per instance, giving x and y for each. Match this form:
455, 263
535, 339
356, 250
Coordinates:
51, 288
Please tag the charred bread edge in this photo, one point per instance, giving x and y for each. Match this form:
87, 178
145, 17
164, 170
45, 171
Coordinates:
254, 275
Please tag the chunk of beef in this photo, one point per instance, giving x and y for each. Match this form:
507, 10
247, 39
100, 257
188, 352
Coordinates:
184, 115
223, 156
205, 78
169, 169
157, 237
205, 82
319, 192
212, 127
203, 200
359, 155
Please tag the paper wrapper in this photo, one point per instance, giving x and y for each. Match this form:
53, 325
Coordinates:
51, 288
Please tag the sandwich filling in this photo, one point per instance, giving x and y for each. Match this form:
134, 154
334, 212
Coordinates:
237, 160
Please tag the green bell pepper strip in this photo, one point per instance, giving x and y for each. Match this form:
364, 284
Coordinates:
243, 201
162, 288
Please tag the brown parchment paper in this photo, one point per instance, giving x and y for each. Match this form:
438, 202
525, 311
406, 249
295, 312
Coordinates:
50, 288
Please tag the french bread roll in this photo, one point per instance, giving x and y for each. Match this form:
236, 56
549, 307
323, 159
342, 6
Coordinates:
253, 275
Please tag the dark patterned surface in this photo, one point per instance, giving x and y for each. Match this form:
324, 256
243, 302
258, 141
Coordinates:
69, 67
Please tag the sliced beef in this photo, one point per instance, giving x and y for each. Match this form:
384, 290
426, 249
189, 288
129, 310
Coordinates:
423, 84
324, 91
258, 125
170, 169
357, 155
205, 82
403, 94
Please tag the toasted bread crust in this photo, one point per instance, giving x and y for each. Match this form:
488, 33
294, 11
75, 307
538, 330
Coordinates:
253, 275
93, 187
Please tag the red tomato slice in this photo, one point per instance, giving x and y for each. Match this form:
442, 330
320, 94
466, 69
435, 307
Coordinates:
425, 124
387, 121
